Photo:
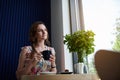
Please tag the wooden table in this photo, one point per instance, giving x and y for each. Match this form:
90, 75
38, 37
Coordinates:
61, 77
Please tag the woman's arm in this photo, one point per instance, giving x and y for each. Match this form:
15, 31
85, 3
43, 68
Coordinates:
25, 69
22, 69
53, 67
53, 59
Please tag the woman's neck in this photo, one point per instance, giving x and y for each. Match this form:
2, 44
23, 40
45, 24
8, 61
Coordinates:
40, 46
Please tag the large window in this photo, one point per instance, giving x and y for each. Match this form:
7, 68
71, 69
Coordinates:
100, 16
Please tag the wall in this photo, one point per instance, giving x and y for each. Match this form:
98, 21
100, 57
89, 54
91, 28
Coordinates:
16, 16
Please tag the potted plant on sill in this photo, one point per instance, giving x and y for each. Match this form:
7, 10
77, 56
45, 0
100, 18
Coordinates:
81, 42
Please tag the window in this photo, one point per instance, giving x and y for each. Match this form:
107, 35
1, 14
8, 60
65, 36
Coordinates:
100, 16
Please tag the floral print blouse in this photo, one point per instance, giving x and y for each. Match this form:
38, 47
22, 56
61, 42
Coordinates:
42, 65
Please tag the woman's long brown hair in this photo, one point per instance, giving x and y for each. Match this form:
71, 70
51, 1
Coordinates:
32, 34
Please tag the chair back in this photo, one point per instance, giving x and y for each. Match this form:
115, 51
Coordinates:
107, 64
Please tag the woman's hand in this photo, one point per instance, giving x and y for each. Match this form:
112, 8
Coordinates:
53, 64
52, 59
36, 58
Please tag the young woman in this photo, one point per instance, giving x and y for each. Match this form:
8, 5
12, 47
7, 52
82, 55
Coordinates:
31, 61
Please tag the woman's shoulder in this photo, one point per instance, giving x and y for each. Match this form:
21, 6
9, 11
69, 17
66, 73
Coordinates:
25, 51
51, 49
26, 48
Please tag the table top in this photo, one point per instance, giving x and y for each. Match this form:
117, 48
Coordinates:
61, 77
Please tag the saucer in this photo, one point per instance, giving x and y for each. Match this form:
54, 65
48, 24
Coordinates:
47, 73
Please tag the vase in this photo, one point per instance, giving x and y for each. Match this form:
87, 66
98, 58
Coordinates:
80, 68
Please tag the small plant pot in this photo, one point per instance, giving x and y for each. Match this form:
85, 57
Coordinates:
80, 68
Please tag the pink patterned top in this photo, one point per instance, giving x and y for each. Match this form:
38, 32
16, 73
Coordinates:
42, 65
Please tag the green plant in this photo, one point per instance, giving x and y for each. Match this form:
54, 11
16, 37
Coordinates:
81, 42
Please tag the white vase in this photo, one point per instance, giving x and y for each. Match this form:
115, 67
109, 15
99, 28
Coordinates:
79, 68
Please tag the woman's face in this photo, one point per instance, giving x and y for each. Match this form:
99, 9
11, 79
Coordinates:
41, 32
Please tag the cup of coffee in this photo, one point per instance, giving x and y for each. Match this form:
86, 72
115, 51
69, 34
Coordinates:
46, 54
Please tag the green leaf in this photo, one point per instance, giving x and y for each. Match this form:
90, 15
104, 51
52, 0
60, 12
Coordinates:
80, 41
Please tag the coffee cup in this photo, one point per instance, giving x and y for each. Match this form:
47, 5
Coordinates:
46, 54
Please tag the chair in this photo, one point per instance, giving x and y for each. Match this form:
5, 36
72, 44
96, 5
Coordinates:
107, 64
